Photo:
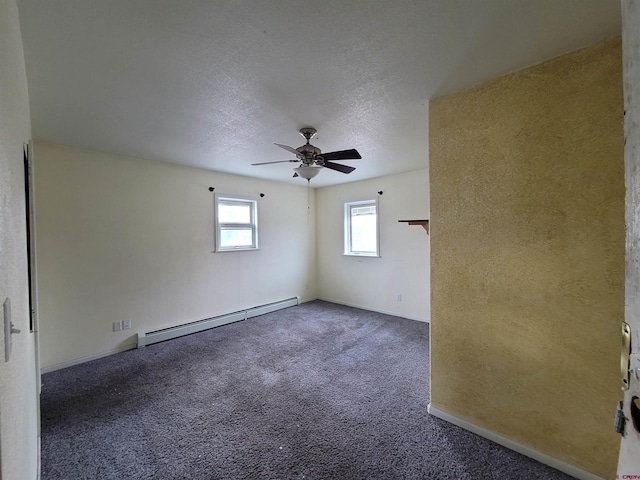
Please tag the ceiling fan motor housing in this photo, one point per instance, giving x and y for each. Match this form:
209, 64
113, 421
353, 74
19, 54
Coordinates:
310, 152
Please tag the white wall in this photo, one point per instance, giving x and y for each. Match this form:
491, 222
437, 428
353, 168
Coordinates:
374, 283
122, 238
18, 396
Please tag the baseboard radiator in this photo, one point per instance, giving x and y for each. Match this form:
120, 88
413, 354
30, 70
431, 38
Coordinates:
156, 336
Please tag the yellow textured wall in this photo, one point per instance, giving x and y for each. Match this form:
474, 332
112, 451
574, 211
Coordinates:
527, 255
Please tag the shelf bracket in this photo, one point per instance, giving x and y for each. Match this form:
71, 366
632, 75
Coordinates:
424, 223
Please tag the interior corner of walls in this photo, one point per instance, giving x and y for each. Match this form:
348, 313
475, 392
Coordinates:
306, 299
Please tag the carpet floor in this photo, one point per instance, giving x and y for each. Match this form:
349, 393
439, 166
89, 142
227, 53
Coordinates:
317, 391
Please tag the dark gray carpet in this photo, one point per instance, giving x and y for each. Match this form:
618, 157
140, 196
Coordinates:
317, 391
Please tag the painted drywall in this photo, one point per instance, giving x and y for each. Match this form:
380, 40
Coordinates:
18, 393
403, 266
527, 255
122, 238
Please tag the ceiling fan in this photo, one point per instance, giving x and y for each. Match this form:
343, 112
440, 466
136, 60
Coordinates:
312, 158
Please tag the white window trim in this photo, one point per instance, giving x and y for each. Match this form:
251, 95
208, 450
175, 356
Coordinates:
347, 229
254, 225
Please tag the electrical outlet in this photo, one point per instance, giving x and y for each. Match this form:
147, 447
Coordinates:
117, 326
399, 297
126, 324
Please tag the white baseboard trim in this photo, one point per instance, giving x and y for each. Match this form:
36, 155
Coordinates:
515, 446
78, 361
362, 307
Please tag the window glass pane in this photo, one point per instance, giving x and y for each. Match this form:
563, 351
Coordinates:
361, 228
237, 237
234, 212
363, 231
236, 223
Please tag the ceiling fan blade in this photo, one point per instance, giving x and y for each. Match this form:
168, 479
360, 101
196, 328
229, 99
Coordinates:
277, 161
290, 149
338, 167
342, 155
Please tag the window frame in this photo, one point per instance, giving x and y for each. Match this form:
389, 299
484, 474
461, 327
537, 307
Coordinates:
253, 225
348, 206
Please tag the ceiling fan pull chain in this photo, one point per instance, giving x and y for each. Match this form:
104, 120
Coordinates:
308, 201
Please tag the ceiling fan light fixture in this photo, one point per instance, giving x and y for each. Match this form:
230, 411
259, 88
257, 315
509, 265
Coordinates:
307, 171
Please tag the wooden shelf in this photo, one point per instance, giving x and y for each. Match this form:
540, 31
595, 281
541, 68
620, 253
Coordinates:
424, 223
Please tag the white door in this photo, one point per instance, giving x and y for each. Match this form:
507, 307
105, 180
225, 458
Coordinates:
629, 460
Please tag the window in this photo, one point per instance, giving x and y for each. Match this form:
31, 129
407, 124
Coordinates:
361, 234
236, 222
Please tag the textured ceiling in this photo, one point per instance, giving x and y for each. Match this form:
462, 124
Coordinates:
215, 83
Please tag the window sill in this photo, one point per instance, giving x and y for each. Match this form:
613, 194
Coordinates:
367, 255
